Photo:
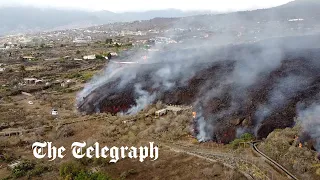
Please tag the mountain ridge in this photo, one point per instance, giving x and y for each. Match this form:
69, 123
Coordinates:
29, 19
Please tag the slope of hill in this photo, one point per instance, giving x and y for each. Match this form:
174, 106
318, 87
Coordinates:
276, 21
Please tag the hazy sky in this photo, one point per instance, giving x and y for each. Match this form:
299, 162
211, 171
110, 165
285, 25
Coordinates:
141, 5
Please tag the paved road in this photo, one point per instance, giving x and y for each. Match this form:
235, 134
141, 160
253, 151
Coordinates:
244, 166
254, 147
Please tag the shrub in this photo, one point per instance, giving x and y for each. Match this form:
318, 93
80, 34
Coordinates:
70, 169
243, 138
87, 76
125, 174
40, 132
75, 171
38, 170
100, 162
85, 161
6, 156
73, 75
66, 131
247, 137
98, 56
22, 169
182, 119
148, 120
152, 111
91, 176
235, 143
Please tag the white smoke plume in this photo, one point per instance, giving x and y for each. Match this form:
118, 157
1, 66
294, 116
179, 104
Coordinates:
281, 93
310, 122
225, 68
143, 100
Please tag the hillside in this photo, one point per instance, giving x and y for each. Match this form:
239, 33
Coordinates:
31, 19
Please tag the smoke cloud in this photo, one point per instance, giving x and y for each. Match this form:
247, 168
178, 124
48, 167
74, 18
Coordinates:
220, 83
236, 82
310, 122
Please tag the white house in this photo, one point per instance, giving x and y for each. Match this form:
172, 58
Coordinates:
161, 112
33, 81
28, 58
54, 112
89, 57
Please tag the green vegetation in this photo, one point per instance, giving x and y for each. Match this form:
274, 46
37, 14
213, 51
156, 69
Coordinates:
70, 169
22, 169
38, 170
29, 169
6, 156
85, 76
98, 56
283, 147
108, 55
74, 75
75, 171
246, 137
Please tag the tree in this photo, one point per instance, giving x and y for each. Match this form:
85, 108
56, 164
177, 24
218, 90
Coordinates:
247, 137
22, 70
78, 52
98, 56
70, 169
22, 169
109, 41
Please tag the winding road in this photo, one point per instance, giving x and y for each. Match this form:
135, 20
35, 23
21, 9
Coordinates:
251, 168
254, 147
